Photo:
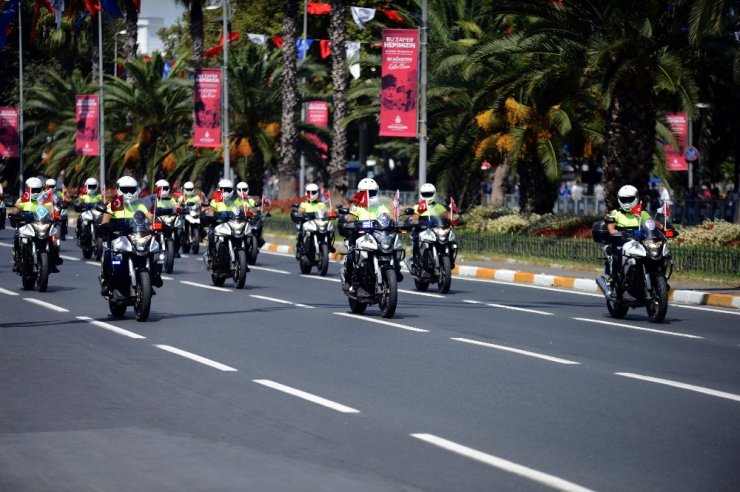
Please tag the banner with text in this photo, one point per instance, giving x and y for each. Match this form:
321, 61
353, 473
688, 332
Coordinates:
679, 124
207, 118
87, 142
400, 73
8, 132
317, 113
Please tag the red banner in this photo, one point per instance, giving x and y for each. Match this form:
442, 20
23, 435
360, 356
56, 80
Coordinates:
679, 124
8, 132
317, 113
87, 142
207, 119
399, 83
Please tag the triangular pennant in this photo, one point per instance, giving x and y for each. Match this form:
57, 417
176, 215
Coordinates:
391, 14
257, 38
278, 40
317, 8
362, 198
362, 15
325, 45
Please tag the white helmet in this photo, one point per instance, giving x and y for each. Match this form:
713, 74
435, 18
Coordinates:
226, 186
164, 186
127, 188
242, 189
91, 186
627, 197
371, 186
34, 186
51, 183
428, 192
312, 192
188, 188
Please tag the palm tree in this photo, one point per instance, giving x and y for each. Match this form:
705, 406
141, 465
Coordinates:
151, 121
289, 121
132, 31
195, 7
255, 100
337, 33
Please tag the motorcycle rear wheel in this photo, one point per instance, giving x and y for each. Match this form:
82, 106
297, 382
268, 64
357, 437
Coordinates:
445, 275
658, 306
29, 282
240, 271
143, 302
42, 280
217, 280
253, 249
388, 294
87, 253
617, 309
195, 241
116, 309
421, 285
357, 307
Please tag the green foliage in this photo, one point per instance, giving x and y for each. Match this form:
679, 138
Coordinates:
710, 233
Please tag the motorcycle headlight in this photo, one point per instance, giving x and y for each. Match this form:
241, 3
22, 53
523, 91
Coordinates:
441, 232
653, 245
385, 241
42, 230
193, 213
141, 243
238, 227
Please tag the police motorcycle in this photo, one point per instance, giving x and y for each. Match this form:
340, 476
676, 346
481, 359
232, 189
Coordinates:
37, 246
372, 265
132, 262
228, 256
253, 239
87, 235
191, 231
434, 258
171, 225
315, 239
640, 279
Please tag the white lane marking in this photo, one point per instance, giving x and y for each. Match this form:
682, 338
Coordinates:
196, 358
639, 328
676, 384
381, 322
512, 308
710, 309
328, 279
8, 292
110, 327
71, 258
306, 396
93, 263
425, 294
273, 270
204, 286
281, 301
502, 464
6, 245
167, 278
516, 351
47, 305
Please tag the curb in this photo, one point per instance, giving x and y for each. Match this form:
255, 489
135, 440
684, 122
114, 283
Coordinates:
694, 297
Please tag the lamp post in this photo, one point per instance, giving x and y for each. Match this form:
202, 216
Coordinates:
224, 5
423, 137
20, 103
304, 47
101, 115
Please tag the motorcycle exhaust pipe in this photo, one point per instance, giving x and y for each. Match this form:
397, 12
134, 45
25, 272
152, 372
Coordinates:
601, 282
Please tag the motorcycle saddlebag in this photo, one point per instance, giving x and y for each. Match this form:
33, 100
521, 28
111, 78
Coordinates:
600, 232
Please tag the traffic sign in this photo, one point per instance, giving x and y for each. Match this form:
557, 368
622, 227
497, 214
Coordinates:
691, 154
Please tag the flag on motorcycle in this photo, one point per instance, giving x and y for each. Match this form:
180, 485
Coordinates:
218, 196
362, 198
422, 207
117, 204
396, 203
158, 192
26, 196
637, 209
46, 196
453, 206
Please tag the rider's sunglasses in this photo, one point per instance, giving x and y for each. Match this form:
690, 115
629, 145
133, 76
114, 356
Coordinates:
227, 190
128, 189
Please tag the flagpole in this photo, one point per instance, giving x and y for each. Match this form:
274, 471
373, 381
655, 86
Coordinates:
101, 116
20, 102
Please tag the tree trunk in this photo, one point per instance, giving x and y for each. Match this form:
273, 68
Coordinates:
337, 165
256, 173
289, 122
630, 141
536, 193
196, 31
132, 32
500, 179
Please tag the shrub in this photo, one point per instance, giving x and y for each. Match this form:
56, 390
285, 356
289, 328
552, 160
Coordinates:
710, 233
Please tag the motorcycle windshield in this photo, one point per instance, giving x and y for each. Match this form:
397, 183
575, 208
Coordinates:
650, 232
433, 221
42, 215
140, 224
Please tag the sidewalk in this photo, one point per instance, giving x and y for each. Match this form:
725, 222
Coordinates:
559, 277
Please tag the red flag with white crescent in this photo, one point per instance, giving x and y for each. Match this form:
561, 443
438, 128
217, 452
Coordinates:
362, 198
26, 196
637, 209
423, 207
218, 196
117, 204
453, 206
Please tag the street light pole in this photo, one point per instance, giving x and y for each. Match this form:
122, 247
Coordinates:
101, 116
225, 111
302, 173
20, 103
423, 94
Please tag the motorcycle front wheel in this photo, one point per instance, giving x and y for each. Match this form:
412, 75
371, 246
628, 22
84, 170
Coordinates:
323, 259
388, 294
445, 275
240, 269
658, 305
169, 259
42, 278
143, 302
195, 240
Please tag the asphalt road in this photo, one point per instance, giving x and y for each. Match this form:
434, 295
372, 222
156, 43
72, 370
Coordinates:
278, 387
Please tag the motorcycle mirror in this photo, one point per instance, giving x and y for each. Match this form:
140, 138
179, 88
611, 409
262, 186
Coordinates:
343, 210
408, 211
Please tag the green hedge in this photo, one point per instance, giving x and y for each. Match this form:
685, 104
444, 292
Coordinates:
707, 260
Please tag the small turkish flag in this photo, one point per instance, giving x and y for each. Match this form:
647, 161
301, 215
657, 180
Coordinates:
362, 198
423, 207
666, 209
117, 204
159, 192
637, 209
26, 196
218, 196
453, 206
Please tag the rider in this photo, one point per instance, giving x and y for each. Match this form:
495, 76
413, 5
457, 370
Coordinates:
242, 193
89, 198
165, 201
123, 206
222, 203
428, 206
311, 204
32, 199
189, 195
624, 220
59, 198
